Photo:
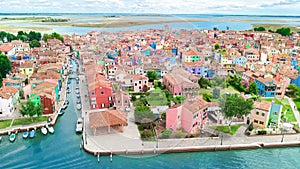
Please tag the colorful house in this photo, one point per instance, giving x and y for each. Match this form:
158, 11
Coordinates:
266, 87
190, 56
101, 95
259, 116
190, 116
26, 68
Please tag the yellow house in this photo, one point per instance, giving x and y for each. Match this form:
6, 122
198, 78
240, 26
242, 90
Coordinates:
26, 69
259, 116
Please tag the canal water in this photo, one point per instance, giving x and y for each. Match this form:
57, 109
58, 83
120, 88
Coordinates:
62, 150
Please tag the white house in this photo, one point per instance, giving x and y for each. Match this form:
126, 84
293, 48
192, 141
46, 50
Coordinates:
6, 105
8, 50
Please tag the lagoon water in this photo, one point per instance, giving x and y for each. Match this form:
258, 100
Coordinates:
62, 150
236, 22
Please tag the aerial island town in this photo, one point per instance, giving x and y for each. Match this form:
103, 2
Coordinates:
154, 90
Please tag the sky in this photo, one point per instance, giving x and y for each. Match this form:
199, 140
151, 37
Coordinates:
251, 7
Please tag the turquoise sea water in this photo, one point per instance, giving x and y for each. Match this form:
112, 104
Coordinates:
62, 150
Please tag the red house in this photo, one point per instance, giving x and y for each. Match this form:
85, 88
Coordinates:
48, 104
101, 95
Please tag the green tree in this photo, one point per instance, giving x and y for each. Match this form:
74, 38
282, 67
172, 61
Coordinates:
284, 31
152, 75
293, 90
235, 82
217, 46
143, 112
38, 110
233, 105
253, 89
260, 29
27, 108
5, 67
203, 83
34, 44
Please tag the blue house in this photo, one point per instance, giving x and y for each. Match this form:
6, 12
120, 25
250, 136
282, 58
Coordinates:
266, 87
296, 81
294, 62
210, 73
241, 61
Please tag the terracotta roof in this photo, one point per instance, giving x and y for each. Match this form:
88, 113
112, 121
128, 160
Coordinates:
9, 89
264, 105
107, 118
6, 48
195, 104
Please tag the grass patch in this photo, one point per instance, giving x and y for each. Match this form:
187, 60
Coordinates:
285, 107
224, 129
297, 103
229, 90
4, 124
157, 98
26, 121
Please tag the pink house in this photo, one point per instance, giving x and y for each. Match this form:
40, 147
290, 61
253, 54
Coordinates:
190, 116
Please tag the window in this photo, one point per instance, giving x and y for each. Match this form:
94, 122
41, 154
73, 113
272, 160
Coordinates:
102, 92
140, 87
109, 98
145, 82
261, 122
255, 121
263, 114
125, 101
140, 82
93, 93
276, 113
30, 69
135, 84
102, 105
178, 116
257, 113
119, 101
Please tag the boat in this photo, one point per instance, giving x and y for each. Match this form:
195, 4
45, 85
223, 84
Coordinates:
65, 106
32, 133
25, 134
51, 130
12, 137
61, 112
79, 125
0, 138
69, 91
44, 130
78, 106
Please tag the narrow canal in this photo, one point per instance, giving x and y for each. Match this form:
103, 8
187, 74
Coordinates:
62, 150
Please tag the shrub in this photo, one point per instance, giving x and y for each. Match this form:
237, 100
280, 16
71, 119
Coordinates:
250, 128
262, 132
147, 133
179, 134
166, 133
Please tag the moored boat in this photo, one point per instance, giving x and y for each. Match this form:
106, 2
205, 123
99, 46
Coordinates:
25, 134
0, 138
61, 112
12, 137
78, 106
44, 130
32, 133
51, 130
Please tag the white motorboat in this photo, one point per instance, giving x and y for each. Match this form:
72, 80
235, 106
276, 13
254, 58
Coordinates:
44, 130
78, 106
51, 130
79, 125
